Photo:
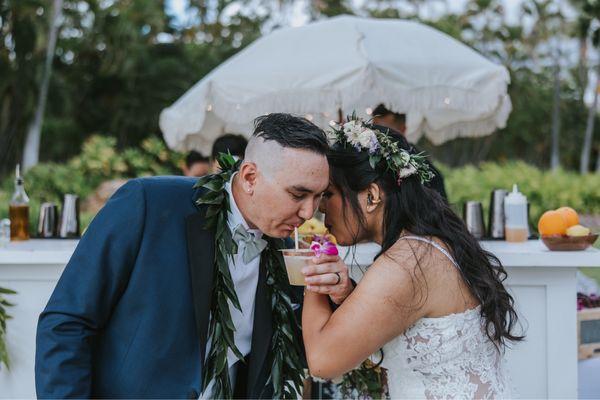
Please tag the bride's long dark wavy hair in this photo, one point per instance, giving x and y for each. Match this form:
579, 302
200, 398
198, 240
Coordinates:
414, 208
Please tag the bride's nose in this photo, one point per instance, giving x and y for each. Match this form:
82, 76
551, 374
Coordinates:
323, 204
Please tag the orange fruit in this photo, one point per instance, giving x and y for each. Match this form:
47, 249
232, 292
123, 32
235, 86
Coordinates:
552, 223
570, 216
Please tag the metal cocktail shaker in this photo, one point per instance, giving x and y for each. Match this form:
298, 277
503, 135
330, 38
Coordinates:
496, 214
48, 221
473, 217
69, 218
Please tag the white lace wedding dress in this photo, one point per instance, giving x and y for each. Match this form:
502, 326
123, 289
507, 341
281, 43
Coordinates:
449, 357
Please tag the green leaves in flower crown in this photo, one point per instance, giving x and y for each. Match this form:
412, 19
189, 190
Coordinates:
358, 135
374, 160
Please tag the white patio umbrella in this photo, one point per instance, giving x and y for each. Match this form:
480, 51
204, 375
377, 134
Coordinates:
346, 63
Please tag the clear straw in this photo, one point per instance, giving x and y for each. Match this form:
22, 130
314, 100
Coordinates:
296, 237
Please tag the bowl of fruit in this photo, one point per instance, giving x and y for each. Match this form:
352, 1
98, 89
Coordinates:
560, 231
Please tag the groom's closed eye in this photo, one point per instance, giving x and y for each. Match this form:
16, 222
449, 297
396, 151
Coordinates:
299, 192
296, 196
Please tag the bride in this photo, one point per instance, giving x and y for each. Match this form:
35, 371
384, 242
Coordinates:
433, 299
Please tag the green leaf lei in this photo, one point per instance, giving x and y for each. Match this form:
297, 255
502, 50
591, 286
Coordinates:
3, 318
285, 356
368, 381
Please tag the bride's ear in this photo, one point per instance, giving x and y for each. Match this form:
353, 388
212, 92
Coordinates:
373, 197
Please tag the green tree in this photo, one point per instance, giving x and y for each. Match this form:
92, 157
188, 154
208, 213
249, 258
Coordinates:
116, 66
32, 140
23, 29
589, 29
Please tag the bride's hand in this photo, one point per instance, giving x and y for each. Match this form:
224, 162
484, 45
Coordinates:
328, 275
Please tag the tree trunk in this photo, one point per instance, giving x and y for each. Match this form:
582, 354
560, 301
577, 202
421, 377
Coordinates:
582, 67
31, 152
555, 157
589, 129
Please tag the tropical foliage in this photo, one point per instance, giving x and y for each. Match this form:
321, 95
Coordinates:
118, 63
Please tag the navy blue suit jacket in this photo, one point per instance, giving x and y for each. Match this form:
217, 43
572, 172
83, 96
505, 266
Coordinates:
129, 315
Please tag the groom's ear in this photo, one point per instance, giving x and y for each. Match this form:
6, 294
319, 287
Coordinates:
248, 173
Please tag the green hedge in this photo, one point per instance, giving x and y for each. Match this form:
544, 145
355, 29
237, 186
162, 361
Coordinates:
545, 190
100, 161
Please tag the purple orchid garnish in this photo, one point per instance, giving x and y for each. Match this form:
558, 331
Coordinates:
321, 246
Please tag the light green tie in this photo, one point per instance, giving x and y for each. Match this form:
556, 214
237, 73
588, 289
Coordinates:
253, 245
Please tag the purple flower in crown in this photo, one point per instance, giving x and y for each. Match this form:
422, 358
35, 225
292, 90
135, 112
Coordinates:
373, 145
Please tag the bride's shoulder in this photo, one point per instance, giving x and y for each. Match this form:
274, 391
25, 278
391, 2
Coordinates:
404, 251
398, 279
400, 258
411, 252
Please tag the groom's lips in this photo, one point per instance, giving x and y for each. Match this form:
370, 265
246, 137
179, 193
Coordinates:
290, 227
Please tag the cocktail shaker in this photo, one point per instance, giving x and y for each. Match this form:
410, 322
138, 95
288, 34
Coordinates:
496, 214
69, 218
48, 220
473, 217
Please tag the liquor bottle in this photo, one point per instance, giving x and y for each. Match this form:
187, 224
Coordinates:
19, 210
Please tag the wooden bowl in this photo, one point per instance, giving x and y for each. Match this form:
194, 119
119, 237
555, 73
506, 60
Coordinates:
568, 243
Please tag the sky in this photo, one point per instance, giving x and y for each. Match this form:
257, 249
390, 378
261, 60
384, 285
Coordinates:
298, 17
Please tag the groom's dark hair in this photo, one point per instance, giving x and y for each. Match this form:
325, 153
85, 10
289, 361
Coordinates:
291, 131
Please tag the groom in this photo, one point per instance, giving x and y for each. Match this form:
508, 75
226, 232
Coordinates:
129, 316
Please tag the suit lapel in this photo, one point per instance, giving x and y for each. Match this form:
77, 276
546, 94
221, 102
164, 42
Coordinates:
201, 255
262, 332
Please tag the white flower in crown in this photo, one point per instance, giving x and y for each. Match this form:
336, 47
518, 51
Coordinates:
352, 130
366, 138
407, 171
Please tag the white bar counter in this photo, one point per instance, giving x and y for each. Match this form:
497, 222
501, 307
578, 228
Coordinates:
31, 268
542, 282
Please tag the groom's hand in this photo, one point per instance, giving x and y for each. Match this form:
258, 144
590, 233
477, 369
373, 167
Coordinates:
328, 275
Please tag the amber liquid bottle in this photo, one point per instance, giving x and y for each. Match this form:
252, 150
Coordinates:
18, 210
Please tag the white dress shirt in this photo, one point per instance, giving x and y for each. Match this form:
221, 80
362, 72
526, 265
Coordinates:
245, 281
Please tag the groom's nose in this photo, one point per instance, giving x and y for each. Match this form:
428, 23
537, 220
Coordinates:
307, 209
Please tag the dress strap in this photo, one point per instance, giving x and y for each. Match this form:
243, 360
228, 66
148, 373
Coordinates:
434, 244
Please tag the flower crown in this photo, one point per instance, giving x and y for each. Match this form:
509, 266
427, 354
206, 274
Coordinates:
381, 148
